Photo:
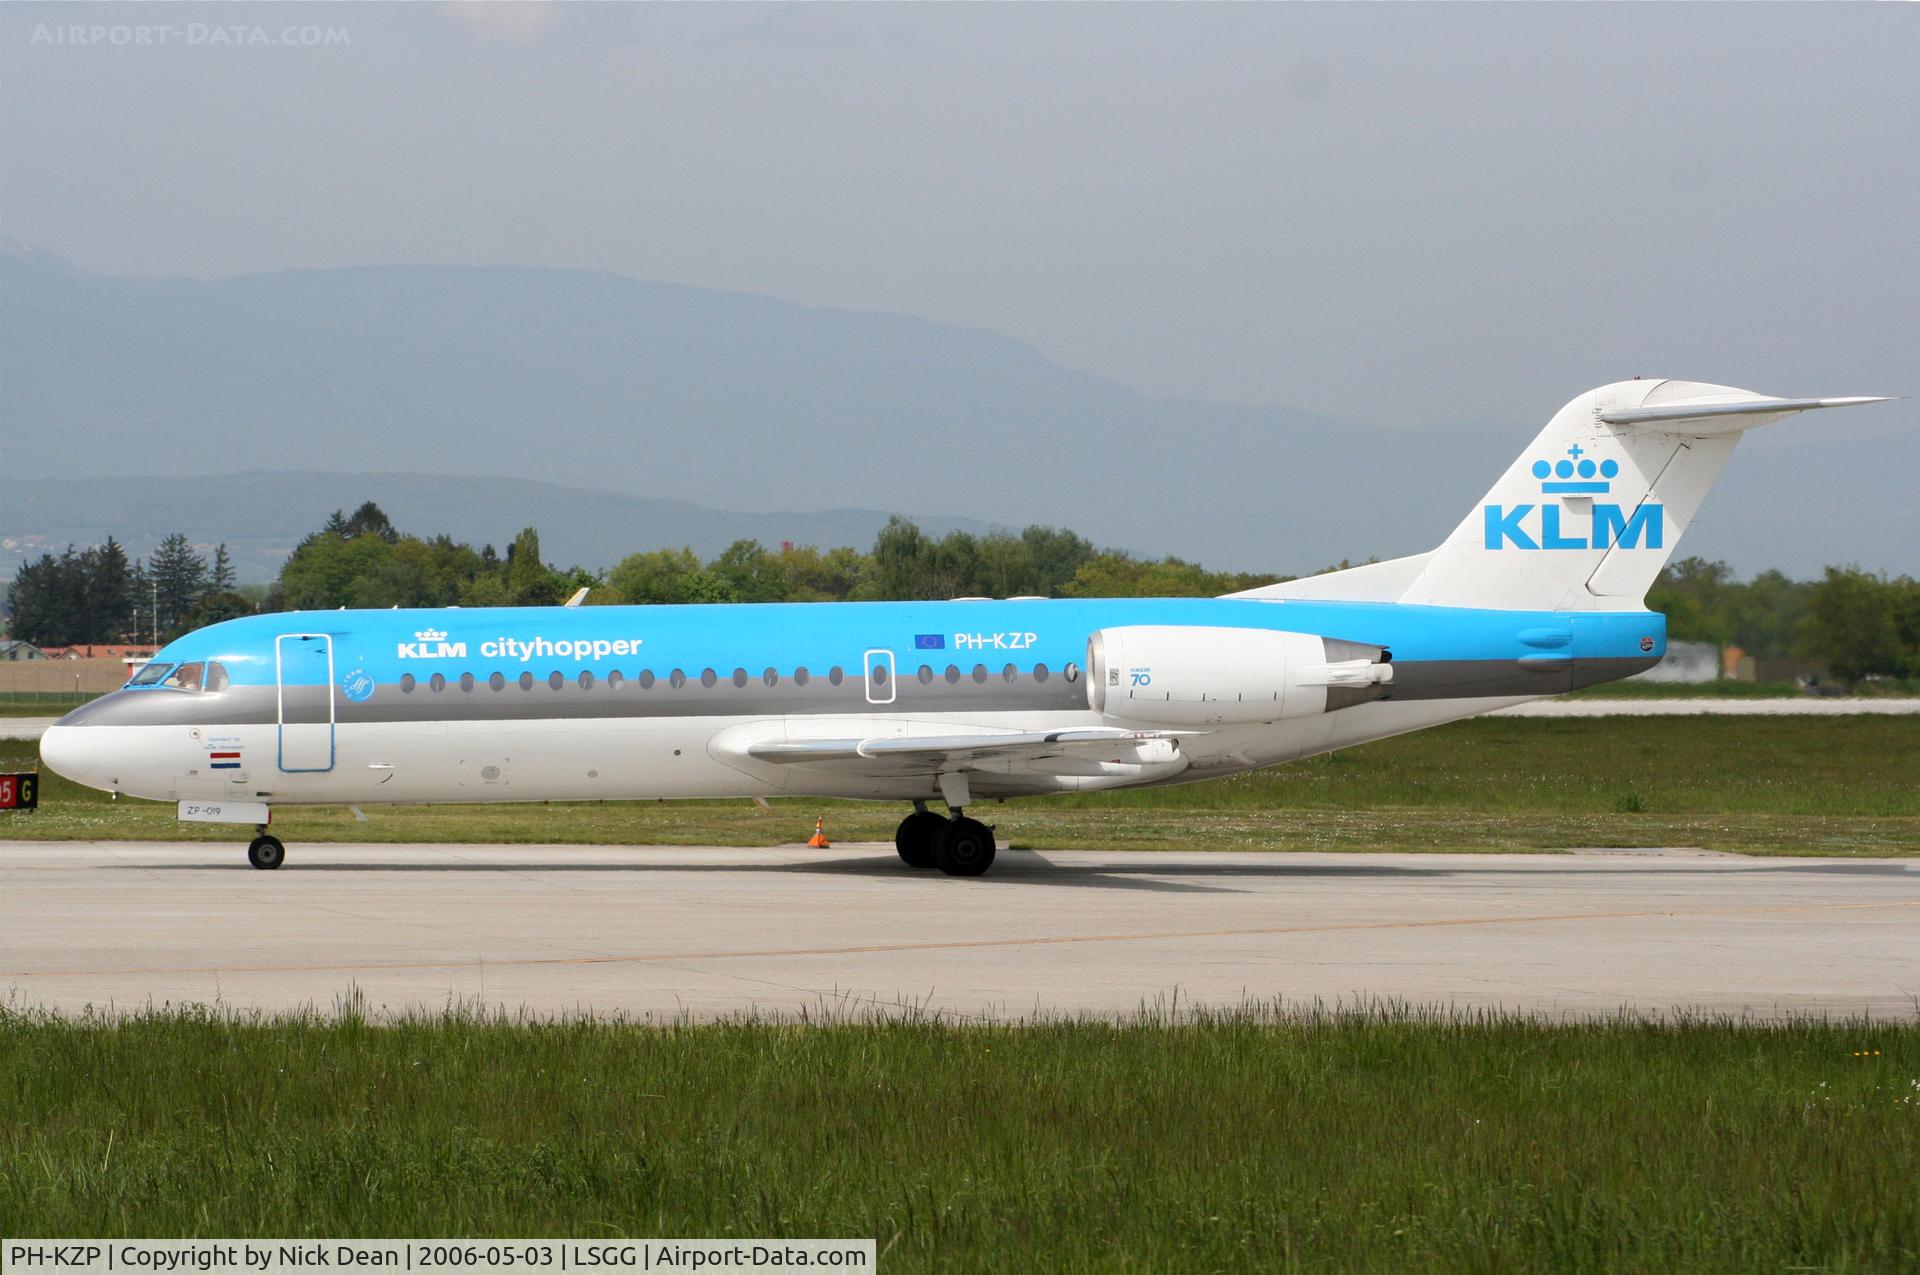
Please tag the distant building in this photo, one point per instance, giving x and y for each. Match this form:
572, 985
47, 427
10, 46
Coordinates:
100, 651
1684, 662
14, 649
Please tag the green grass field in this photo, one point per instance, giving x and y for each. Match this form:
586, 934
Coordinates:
1786, 785
1358, 1142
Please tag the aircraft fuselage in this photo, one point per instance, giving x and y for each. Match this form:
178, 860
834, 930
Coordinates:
635, 702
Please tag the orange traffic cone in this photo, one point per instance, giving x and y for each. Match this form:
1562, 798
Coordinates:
819, 838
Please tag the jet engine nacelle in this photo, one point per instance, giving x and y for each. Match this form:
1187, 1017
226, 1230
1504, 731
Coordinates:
1170, 675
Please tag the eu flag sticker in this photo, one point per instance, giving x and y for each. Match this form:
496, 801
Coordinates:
929, 641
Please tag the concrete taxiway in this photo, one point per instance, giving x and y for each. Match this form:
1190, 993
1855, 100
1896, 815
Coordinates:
25, 727
666, 931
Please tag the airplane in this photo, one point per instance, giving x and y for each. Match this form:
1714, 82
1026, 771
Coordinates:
1539, 590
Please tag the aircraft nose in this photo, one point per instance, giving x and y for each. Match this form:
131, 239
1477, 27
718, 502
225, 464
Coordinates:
70, 752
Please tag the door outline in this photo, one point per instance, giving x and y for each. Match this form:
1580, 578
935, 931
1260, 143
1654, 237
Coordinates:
884, 661
280, 701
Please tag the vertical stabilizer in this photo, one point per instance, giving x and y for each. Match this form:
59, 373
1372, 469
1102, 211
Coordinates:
1585, 518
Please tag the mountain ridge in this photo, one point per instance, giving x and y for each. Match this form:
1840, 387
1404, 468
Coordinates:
728, 400
735, 401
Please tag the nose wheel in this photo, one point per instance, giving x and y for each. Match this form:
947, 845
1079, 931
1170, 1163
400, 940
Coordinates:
265, 852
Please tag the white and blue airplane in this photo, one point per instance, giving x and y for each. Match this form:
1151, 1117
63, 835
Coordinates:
1539, 590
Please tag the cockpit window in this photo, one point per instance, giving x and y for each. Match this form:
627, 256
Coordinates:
217, 679
150, 675
186, 677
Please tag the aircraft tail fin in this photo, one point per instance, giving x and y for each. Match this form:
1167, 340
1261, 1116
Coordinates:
1586, 517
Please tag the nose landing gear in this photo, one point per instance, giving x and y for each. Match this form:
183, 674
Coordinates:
265, 851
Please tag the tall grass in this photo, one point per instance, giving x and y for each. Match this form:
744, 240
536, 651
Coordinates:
1375, 1140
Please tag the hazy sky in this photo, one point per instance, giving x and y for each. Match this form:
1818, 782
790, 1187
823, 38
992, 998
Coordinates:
1415, 214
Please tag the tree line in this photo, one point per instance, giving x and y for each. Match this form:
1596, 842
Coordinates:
361, 560
97, 595
1857, 624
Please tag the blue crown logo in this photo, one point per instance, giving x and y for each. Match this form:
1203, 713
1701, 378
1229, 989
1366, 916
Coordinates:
1580, 476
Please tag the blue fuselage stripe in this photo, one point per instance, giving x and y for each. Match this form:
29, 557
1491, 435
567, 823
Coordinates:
379, 647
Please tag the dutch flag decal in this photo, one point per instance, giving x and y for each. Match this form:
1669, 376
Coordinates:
223, 761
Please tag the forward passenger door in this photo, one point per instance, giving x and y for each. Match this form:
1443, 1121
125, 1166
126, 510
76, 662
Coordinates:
303, 665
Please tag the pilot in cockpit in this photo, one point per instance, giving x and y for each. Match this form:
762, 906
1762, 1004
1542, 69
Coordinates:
182, 677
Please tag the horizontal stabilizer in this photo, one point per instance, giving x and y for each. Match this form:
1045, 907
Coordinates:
1698, 411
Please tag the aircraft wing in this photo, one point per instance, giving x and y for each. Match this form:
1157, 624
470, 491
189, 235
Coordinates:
958, 751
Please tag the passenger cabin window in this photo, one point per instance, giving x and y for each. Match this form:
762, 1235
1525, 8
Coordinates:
150, 675
186, 677
407, 682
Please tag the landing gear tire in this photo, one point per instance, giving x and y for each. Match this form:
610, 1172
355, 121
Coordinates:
916, 838
964, 848
266, 853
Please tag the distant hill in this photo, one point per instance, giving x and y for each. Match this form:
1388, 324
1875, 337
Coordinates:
725, 400
261, 516
729, 401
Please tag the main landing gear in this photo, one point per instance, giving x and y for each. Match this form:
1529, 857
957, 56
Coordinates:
265, 851
915, 838
959, 847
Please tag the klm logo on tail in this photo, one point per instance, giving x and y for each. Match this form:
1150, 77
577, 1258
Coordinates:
1539, 526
